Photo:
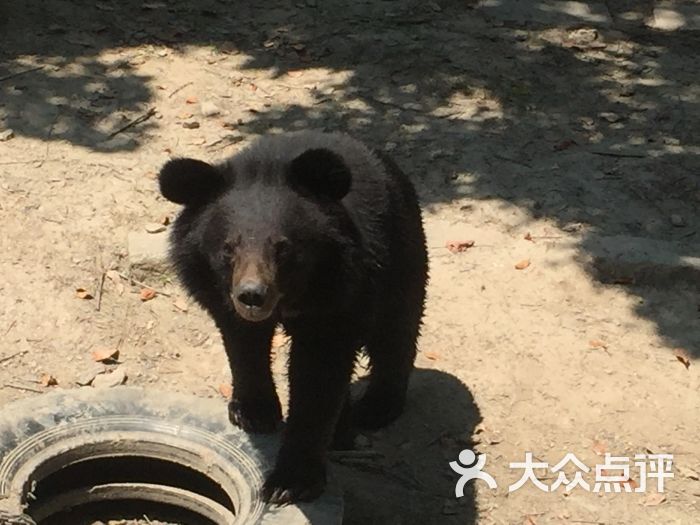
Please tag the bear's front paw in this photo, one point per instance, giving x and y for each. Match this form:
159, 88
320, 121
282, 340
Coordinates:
377, 408
259, 416
294, 481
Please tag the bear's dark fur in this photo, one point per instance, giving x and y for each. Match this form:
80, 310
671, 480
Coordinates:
318, 233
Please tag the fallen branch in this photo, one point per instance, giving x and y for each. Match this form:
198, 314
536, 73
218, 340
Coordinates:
13, 75
100, 289
12, 325
618, 154
143, 285
22, 387
341, 455
136, 121
12, 356
183, 86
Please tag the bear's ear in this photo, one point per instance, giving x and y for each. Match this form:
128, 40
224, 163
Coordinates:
320, 172
190, 182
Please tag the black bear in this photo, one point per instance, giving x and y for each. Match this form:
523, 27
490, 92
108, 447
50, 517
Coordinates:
317, 233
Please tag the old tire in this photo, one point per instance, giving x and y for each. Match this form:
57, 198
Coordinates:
58, 447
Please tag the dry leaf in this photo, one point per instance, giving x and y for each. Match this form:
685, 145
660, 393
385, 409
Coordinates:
105, 354
623, 280
82, 293
48, 380
181, 304
433, 356
522, 264
564, 145
528, 237
458, 246
683, 357
597, 343
146, 294
599, 448
633, 485
654, 499
226, 390
191, 100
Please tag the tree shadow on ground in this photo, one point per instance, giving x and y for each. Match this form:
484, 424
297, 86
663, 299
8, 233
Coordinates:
412, 483
589, 127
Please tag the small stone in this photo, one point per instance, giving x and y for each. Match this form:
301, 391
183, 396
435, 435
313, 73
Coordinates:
209, 109
610, 116
390, 146
190, 124
115, 378
154, 227
6, 135
87, 377
148, 251
677, 220
362, 441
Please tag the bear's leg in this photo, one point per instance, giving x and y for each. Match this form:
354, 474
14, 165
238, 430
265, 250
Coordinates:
254, 406
392, 351
344, 435
320, 368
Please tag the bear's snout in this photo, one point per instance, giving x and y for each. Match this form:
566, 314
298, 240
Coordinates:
252, 294
254, 300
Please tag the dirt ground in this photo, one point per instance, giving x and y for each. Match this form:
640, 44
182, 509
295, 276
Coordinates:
569, 128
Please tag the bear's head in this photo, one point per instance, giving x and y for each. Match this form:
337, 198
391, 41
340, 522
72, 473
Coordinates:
266, 230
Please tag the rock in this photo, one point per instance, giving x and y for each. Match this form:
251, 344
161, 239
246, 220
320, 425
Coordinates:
190, 124
148, 251
546, 12
638, 260
610, 116
118, 142
6, 135
115, 378
209, 109
677, 220
87, 377
154, 227
675, 15
362, 441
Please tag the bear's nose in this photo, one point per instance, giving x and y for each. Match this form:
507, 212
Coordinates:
252, 294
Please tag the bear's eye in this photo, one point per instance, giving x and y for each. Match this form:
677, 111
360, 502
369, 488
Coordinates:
230, 247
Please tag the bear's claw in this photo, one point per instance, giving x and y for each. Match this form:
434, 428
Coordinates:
285, 486
256, 416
